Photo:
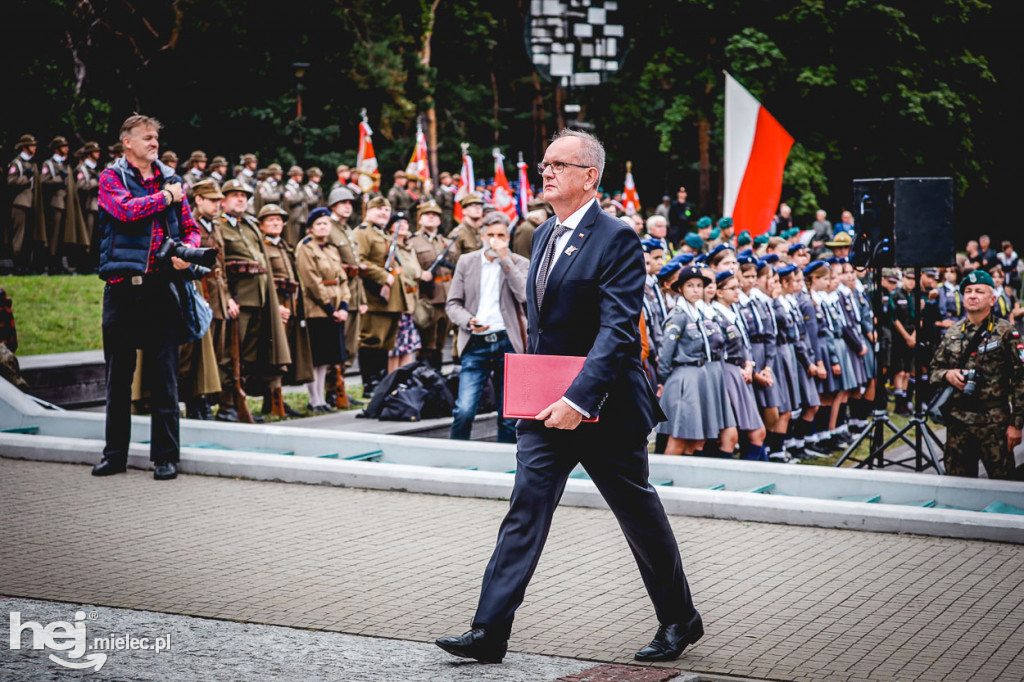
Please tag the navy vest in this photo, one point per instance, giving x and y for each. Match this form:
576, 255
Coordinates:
124, 246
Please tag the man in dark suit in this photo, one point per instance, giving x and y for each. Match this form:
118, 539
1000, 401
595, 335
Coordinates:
584, 293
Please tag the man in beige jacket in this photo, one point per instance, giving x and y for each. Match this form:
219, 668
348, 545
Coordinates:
485, 303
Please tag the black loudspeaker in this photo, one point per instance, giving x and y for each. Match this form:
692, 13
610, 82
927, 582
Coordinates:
872, 213
915, 213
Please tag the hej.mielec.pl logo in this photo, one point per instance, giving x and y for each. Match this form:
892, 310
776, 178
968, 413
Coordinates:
71, 637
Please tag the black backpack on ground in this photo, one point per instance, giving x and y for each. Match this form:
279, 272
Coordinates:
410, 393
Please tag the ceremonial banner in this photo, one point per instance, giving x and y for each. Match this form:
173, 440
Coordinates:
366, 161
525, 195
466, 181
418, 166
756, 148
630, 199
504, 200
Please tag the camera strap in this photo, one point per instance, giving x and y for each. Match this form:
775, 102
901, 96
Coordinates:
979, 337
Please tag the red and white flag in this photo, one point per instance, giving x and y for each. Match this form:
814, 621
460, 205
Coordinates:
503, 199
525, 193
630, 199
418, 163
366, 160
756, 147
466, 181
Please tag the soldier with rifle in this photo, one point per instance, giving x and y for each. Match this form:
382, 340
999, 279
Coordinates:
431, 249
341, 204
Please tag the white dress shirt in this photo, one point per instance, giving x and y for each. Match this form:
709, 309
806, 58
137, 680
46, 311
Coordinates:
488, 311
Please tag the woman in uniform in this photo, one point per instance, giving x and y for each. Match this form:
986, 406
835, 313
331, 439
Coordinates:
719, 419
775, 400
325, 297
738, 368
684, 352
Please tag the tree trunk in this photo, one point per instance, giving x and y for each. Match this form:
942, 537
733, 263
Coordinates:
431, 106
704, 144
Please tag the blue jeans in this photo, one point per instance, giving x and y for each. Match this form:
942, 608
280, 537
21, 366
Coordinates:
479, 359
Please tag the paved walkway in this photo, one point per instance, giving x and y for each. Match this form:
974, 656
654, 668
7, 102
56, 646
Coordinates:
779, 602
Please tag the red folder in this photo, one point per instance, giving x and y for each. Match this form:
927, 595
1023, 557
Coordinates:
532, 382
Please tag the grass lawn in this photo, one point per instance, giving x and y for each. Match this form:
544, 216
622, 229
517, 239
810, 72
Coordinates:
56, 314
298, 402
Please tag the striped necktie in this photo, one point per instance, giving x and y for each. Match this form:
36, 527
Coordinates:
545, 262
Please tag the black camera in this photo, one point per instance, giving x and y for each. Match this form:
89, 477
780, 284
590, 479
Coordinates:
172, 247
970, 383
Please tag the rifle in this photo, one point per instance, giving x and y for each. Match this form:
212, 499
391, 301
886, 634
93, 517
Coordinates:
389, 266
428, 287
241, 406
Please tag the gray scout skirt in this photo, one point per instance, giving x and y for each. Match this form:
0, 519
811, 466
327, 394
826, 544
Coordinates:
683, 403
741, 399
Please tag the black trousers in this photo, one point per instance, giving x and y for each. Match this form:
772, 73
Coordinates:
617, 463
147, 317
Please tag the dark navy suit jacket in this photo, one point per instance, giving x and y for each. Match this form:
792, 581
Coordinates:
592, 306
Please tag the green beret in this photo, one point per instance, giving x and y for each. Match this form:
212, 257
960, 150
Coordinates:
694, 241
790, 233
743, 238
725, 222
716, 233
977, 277
761, 239
703, 223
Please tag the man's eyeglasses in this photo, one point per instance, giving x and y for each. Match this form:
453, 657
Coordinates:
557, 166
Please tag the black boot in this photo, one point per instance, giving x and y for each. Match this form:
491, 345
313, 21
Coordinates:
194, 408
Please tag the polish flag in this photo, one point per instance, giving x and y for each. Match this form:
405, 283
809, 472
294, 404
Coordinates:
756, 147
525, 193
418, 163
504, 200
366, 160
630, 199
466, 181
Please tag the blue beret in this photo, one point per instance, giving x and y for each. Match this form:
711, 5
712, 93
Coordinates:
785, 269
703, 223
725, 222
719, 249
793, 248
700, 259
832, 260
317, 213
771, 258
669, 268
745, 252
724, 275
652, 245
814, 265
693, 240
683, 259
747, 259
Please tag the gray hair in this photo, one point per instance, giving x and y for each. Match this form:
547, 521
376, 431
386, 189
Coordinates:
493, 218
654, 219
591, 153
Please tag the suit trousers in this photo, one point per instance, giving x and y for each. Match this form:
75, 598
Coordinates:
617, 463
142, 317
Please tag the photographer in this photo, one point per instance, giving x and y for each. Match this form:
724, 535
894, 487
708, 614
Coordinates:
982, 358
140, 207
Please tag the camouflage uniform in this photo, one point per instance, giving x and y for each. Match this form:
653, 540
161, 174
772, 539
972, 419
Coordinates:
976, 425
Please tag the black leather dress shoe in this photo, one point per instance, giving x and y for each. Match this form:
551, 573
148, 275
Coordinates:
669, 642
165, 471
475, 644
108, 467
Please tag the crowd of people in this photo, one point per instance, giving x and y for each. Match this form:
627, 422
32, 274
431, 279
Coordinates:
762, 347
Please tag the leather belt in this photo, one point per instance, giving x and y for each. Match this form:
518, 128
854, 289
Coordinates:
244, 268
764, 338
739, 362
695, 363
331, 282
716, 357
493, 337
351, 271
283, 284
442, 278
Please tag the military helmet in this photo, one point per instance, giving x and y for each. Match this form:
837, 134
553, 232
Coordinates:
234, 185
339, 194
294, 170
313, 170
271, 209
59, 141
25, 141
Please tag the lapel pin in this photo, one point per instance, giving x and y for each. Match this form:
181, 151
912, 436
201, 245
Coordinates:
569, 251
581, 235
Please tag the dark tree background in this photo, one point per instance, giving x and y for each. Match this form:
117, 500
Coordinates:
884, 88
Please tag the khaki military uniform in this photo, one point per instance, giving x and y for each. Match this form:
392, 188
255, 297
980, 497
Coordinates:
263, 346
26, 208
427, 249
55, 184
401, 201
467, 240
522, 238
446, 200
379, 326
87, 179
976, 425
344, 240
188, 181
295, 204
314, 196
268, 191
281, 258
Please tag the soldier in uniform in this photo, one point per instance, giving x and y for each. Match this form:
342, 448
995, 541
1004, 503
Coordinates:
467, 233
341, 204
87, 179
398, 196
196, 173
429, 244
219, 169
263, 348
199, 363
170, 158
54, 172
27, 223
444, 195
116, 151
247, 176
295, 203
314, 192
269, 189
986, 410
281, 258
385, 295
